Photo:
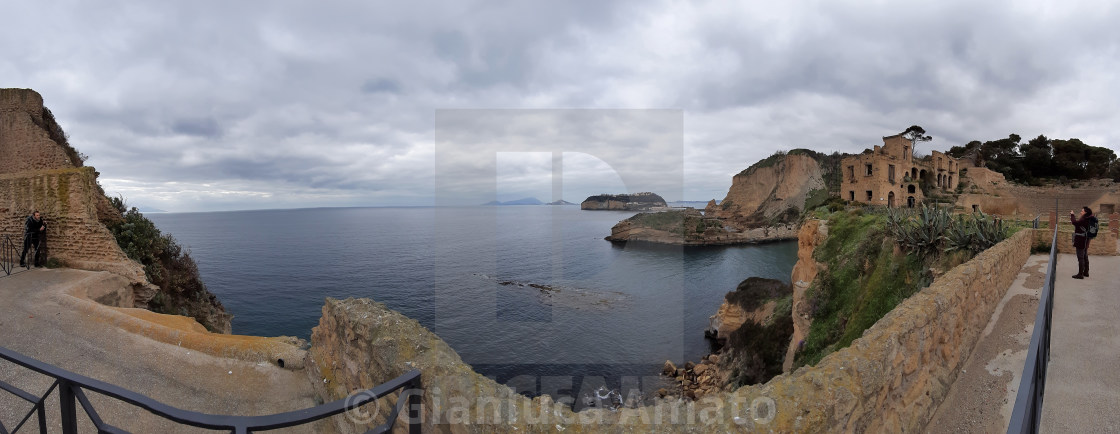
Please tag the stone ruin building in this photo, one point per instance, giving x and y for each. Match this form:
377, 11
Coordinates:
889, 175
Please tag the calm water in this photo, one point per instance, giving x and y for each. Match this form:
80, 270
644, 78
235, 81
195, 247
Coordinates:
521, 292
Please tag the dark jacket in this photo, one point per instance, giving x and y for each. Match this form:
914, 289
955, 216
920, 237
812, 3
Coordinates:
1080, 229
33, 226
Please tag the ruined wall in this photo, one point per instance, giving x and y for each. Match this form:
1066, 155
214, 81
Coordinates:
889, 380
68, 201
24, 143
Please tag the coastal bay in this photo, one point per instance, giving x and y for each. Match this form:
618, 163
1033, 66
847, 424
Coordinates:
610, 311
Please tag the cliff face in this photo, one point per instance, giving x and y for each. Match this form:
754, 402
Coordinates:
812, 234
40, 171
770, 188
623, 202
754, 324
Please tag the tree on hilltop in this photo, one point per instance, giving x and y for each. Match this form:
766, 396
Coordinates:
916, 134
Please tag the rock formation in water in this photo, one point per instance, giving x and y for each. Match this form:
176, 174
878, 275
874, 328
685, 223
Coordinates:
624, 202
41, 171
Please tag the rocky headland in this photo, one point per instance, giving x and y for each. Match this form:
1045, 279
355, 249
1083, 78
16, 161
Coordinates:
764, 203
623, 202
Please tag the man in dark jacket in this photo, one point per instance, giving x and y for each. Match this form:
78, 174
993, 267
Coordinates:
34, 231
1081, 240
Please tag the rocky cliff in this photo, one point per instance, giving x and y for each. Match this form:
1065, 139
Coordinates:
765, 203
812, 234
41, 171
623, 202
775, 188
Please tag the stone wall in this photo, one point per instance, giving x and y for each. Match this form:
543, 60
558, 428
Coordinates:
889, 380
68, 200
24, 143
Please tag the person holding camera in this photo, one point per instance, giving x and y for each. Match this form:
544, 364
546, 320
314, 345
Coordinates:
34, 232
1081, 240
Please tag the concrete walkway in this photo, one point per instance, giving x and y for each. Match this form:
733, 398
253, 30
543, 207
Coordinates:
983, 395
34, 322
1083, 380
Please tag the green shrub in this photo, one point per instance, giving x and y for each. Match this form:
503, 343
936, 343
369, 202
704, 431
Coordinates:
166, 265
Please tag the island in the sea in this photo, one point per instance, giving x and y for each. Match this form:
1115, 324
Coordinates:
644, 201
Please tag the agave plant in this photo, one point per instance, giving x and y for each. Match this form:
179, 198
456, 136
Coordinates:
961, 235
923, 234
989, 232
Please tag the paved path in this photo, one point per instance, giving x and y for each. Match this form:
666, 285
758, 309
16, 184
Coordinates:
983, 395
1083, 380
34, 323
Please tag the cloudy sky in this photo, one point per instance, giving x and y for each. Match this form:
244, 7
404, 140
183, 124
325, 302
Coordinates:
206, 105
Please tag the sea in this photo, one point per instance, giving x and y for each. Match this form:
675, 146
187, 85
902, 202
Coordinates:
531, 296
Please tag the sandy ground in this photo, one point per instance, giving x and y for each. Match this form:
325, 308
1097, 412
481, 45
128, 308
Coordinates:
33, 323
981, 399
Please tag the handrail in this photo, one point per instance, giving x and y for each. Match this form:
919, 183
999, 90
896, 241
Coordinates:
1027, 413
72, 387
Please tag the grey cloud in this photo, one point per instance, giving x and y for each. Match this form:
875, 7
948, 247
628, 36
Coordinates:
208, 128
381, 85
339, 99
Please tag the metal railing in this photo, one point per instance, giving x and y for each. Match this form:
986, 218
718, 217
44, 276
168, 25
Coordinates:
1027, 413
72, 389
7, 255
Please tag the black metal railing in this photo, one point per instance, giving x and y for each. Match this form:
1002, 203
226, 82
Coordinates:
7, 255
72, 390
1027, 413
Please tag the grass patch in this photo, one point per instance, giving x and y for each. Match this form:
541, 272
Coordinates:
682, 223
863, 281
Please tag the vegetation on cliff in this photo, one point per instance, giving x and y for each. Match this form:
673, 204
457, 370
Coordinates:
679, 222
57, 135
754, 352
865, 276
170, 267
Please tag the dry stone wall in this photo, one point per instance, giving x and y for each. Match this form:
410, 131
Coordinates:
890, 380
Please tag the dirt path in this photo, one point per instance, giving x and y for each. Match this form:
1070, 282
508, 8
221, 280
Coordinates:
34, 323
981, 399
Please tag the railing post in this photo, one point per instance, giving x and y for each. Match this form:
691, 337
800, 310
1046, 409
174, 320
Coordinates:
415, 416
41, 408
66, 403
